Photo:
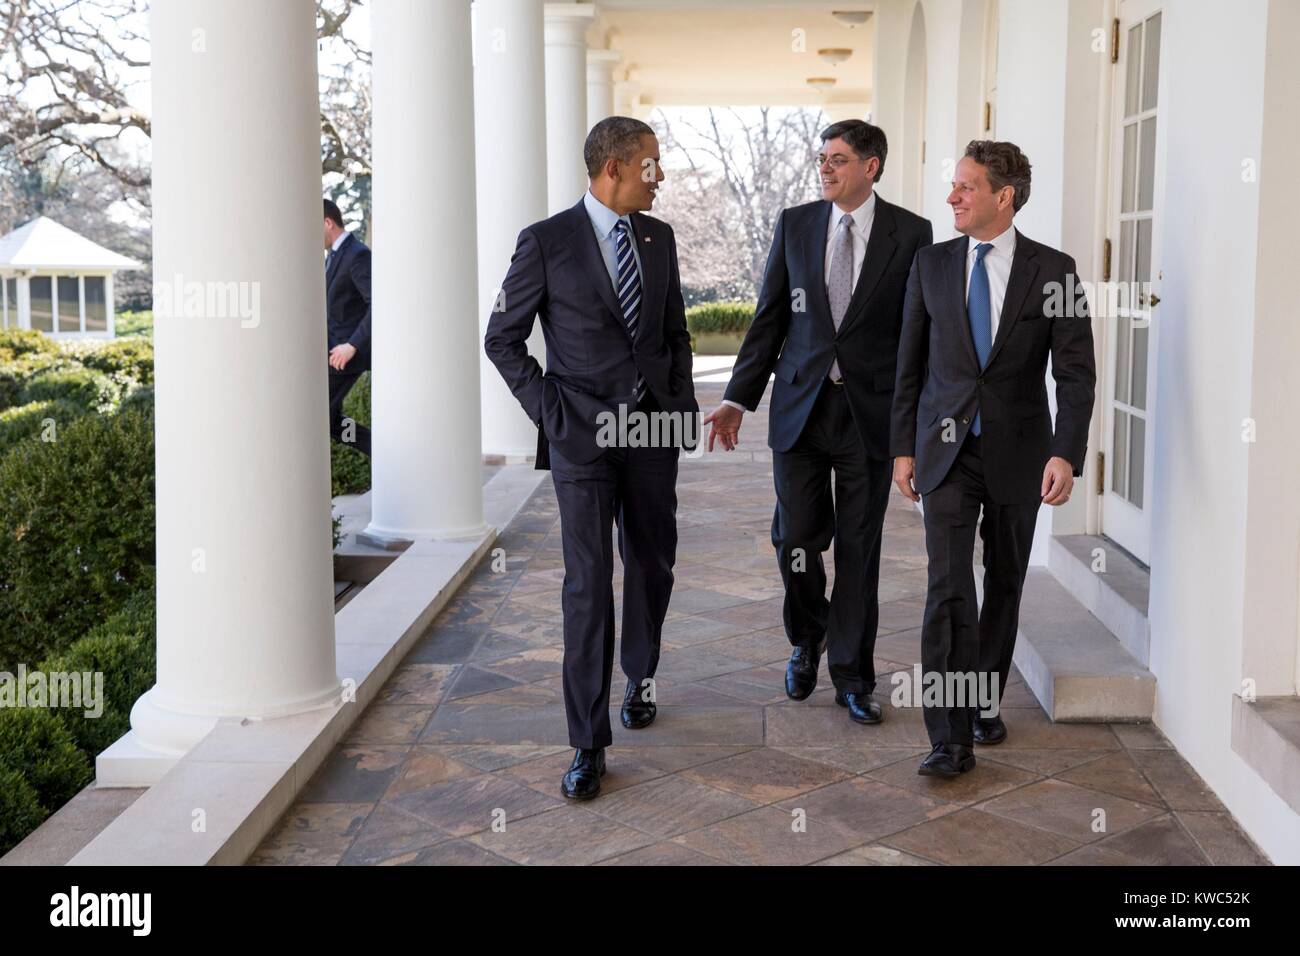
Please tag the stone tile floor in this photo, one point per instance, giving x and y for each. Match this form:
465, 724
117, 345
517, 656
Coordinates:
458, 760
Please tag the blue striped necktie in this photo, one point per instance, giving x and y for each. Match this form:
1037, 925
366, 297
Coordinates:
979, 310
629, 288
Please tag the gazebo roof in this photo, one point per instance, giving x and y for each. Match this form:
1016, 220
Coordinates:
45, 244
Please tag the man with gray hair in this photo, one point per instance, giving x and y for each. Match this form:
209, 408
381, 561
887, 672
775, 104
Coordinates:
603, 279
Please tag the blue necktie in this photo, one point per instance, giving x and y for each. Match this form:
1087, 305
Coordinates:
629, 288
979, 311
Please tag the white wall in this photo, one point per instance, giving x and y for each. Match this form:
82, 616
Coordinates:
1213, 119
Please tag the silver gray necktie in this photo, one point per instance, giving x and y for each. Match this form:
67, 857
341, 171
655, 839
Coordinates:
839, 284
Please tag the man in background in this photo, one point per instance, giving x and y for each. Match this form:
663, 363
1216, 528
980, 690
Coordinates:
347, 312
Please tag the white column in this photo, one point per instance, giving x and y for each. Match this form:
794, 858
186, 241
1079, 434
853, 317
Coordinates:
509, 108
600, 84
427, 467
245, 600
566, 102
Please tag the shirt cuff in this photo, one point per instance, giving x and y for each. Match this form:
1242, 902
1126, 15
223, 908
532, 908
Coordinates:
727, 401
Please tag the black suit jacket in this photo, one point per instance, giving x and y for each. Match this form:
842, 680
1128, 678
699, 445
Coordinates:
557, 272
347, 300
939, 377
794, 335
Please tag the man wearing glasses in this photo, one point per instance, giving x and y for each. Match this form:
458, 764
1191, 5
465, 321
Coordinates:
827, 324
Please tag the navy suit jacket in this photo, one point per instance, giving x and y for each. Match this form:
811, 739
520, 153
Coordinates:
941, 385
592, 363
347, 300
794, 335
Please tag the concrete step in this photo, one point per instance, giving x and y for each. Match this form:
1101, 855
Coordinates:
1073, 664
1108, 582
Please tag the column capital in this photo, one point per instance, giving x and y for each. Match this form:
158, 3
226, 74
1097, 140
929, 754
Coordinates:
603, 62
566, 23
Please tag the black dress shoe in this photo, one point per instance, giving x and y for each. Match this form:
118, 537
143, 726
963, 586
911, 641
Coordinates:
862, 709
990, 731
947, 760
801, 672
582, 782
637, 712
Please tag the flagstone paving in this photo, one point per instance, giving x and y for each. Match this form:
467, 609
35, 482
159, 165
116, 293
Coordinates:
458, 761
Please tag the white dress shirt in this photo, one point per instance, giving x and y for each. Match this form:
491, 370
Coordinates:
603, 220
860, 230
997, 263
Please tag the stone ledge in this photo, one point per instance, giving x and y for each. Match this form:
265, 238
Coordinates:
1266, 734
1117, 597
1072, 663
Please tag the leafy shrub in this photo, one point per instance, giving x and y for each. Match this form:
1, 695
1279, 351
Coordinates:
34, 742
17, 342
28, 421
20, 809
10, 387
124, 650
349, 469
711, 317
25, 366
133, 323
132, 357
76, 531
91, 390
139, 399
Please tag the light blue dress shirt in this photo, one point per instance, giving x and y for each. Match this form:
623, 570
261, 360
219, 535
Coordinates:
603, 220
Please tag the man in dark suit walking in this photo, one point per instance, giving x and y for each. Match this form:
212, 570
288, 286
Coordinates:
972, 430
347, 311
827, 324
603, 278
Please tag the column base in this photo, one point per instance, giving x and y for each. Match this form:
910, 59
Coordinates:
392, 540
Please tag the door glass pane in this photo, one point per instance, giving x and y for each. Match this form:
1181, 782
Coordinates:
1138, 398
1126, 251
1151, 64
69, 305
96, 307
42, 303
1147, 178
1119, 454
1129, 171
1142, 260
1136, 456
1133, 79
1122, 324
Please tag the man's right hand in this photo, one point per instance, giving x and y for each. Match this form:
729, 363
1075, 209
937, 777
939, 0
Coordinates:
904, 471
724, 422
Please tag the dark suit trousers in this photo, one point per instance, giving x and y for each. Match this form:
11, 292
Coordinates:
635, 489
808, 518
955, 637
340, 384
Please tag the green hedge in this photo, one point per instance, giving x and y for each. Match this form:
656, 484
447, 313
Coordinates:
129, 324
20, 809
124, 650
349, 469
31, 420
36, 743
719, 317
84, 387
17, 342
76, 531
131, 357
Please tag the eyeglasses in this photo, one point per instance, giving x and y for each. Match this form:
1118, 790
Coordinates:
836, 162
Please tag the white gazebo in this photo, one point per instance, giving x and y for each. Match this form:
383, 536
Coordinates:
57, 281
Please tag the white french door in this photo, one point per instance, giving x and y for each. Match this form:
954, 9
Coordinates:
1137, 187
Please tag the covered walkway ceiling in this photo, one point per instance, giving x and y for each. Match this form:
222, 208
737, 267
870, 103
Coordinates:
741, 53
